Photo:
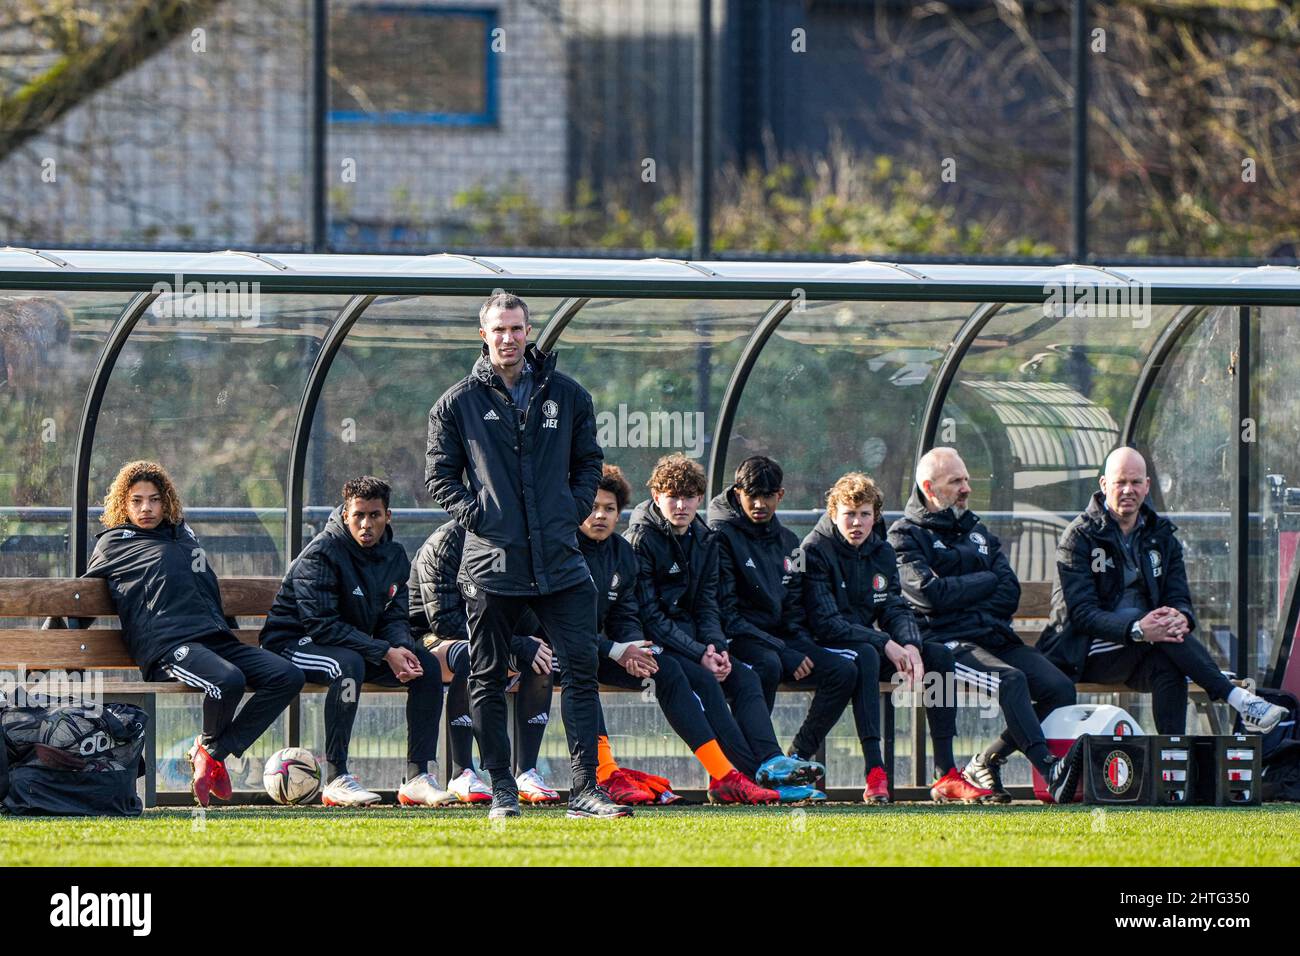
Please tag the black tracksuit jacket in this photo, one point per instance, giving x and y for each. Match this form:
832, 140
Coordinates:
341, 594
760, 580
1084, 600
530, 484
853, 593
162, 586
687, 594
613, 565
955, 576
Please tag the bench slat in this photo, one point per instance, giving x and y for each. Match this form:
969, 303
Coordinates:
88, 597
96, 647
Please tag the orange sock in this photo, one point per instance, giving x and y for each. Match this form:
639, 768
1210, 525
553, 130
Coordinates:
605, 765
714, 760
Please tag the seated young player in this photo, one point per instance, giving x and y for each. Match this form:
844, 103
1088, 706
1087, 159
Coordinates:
677, 593
855, 605
965, 593
341, 617
438, 619
627, 659
760, 595
169, 602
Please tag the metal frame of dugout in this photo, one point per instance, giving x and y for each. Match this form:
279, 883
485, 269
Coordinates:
784, 285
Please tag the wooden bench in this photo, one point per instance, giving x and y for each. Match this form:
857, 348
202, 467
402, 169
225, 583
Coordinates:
71, 642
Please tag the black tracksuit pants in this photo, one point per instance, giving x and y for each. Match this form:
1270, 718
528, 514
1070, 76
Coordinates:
568, 618
344, 670
672, 692
223, 668
1028, 687
873, 667
736, 712
833, 676
1162, 669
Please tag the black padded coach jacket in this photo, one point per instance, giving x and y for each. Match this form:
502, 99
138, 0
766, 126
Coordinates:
1084, 600
955, 576
532, 476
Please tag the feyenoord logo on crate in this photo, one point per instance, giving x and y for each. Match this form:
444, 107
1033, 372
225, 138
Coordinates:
1118, 770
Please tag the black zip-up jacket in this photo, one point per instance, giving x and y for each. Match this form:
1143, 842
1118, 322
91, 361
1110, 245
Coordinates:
613, 567
531, 483
760, 580
955, 575
687, 594
162, 586
438, 607
1084, 599
339, 593
854, 592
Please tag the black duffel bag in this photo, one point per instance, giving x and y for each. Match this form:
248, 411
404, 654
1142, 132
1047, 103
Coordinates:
73, 760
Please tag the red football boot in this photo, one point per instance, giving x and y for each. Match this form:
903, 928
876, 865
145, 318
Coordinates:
952, 787
735, 787
623, 789
210, 776
877, 790
661, 787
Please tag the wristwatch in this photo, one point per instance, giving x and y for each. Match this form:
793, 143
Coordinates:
1135, 632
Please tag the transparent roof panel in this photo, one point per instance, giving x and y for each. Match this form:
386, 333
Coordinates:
1035, 406
656, 370
214, 399
842, 386
49, 345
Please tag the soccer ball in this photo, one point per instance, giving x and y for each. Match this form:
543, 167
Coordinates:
291, 776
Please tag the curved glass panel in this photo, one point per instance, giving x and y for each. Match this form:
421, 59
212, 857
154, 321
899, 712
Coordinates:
49, 344
1191, 469
208, 384
1275, 498
842, 386
656, 370
399, 357
1035, 407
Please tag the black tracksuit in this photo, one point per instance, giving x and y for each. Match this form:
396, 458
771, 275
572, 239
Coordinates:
689, 696
169, 603
532, 476
854, 604
339, 610
438, 609
1088, 633
677, 588
760, 596
965, 594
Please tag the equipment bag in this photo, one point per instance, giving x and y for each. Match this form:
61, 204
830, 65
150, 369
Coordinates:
74, 760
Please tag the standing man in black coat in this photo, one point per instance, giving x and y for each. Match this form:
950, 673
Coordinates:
1122, 610
167, 597
965, 594
524, 436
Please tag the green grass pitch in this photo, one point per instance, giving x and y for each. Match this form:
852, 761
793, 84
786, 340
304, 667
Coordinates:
842, 834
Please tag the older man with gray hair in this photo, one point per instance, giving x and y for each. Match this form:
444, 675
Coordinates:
1122, 610
965, 594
